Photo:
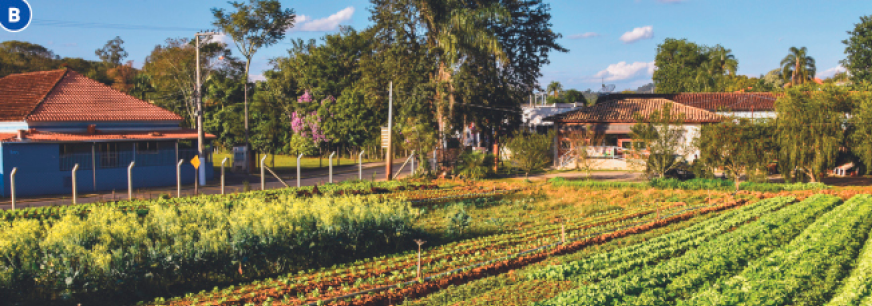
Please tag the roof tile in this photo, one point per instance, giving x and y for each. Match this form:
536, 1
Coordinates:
623, 111
21, 93
78, 98
44, 136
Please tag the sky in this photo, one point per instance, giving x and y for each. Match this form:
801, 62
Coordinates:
612, 41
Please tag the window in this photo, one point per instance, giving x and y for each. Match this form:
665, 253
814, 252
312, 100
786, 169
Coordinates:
111, 154
148, 147
75, 148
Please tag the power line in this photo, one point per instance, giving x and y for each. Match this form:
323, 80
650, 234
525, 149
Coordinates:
115, 26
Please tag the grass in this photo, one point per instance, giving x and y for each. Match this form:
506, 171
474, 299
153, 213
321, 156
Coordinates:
287, 163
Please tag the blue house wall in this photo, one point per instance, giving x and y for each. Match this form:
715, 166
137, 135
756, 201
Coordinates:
40, 171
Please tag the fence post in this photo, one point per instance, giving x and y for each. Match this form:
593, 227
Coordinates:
331, 166
75, 191
222, 174
412, 170
12, 185
130, 181
298, 169
179, 178
360, 165
262, 174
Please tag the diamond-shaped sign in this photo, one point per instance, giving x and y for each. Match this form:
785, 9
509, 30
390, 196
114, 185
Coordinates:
195, 162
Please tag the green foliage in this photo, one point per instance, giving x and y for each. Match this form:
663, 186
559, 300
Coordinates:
861, 132
475, 165
804, 272
531, 152
457, 220
640, 281
113, 52
739, 146
693, 184
660, 140
301, 145
684, 66
810, 130
204, 239
858, 48
798, 67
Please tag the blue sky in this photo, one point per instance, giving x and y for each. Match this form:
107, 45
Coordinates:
614, 40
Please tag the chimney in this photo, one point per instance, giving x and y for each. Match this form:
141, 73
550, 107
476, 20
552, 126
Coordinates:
92, 129
22, 134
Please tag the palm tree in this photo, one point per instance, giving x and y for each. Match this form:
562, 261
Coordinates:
555, 88
453, 31
798, 65
726, 61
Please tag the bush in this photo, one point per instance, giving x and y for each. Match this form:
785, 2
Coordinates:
476, 165
116, 251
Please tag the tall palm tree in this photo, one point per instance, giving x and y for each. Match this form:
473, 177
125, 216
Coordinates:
455, 30
554, 88
725, 60
798, 65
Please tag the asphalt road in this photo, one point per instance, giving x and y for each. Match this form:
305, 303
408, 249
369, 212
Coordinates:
234, 183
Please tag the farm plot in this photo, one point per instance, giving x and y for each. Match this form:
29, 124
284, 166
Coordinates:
333, 285
795, 256
535, 283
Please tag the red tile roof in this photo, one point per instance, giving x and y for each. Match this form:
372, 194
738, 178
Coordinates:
67, 96
21, 93
78, 98
44, 136
713, 101
622, 111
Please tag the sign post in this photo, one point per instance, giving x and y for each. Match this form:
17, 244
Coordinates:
196, 163
389, 161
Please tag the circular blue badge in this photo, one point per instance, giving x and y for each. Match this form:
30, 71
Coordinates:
15, 15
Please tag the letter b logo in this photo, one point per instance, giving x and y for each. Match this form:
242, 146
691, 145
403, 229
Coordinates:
15, 15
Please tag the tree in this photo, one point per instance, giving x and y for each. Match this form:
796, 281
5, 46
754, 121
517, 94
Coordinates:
573, 96
172, 68
774, 79
258, 24
530, 152
684, 66
739, 146
113, 52
798, 65
582, 142
810, 130
123, 77
861, 134
859, 51
554, 88
660, 136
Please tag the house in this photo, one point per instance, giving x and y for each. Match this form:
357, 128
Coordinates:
51, 121
612, 120
753, 105
533, 115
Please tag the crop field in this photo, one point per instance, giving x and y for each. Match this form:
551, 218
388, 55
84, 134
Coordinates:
486, 243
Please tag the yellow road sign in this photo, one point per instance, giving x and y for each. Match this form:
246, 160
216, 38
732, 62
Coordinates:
195, 162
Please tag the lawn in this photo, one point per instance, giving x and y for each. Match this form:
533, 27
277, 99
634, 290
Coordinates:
288, 164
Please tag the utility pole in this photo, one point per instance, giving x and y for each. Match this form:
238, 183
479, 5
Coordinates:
389, 160
200, 134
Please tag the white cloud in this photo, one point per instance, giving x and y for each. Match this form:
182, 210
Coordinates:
624, 71
331, 23
256, 77
636, 34
584, 35
830, 72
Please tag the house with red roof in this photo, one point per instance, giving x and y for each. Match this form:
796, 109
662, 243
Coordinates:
51, 121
